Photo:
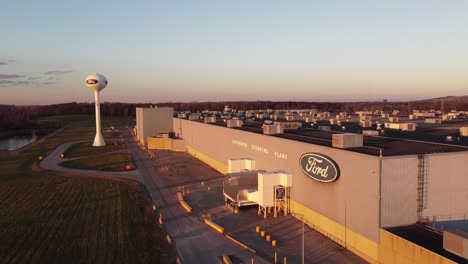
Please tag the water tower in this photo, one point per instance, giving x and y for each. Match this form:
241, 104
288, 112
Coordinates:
97, 82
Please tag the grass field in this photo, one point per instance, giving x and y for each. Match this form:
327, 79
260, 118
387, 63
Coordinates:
48, 217
86, 149
105, 162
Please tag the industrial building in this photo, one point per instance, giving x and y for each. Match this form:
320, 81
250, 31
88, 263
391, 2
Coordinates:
150, 122
353, 188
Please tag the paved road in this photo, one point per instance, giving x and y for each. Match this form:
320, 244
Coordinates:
51, 162
195, 242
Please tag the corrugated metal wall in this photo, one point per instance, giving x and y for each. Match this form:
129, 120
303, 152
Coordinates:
399, 190
151, 121
447, 182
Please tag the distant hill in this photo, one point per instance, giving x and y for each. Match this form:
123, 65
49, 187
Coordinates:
447, 99
445, 103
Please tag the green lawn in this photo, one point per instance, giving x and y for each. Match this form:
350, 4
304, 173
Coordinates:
105, 162
46, 217
86, 149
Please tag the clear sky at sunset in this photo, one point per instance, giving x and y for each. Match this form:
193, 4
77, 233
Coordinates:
160, 51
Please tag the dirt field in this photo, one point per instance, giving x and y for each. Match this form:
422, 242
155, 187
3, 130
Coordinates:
52, 218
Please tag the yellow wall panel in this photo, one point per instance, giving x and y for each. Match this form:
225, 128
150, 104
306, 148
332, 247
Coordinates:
211, 162
361, 246
394, 249
159, 143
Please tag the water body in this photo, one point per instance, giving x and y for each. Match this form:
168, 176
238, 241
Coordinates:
16, 142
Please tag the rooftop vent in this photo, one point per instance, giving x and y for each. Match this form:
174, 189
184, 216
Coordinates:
464, 131
234, 123
370, 133
347, 140
272, 129
194, 116
209, 119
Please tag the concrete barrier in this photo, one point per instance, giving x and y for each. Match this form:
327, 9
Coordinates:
214, 226
186, 206
226, 259
241, 244
180, 197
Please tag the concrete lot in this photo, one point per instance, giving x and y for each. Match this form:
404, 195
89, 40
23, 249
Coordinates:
189, 173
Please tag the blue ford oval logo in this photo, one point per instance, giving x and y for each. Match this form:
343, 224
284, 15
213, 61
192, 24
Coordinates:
319, 167
92, 81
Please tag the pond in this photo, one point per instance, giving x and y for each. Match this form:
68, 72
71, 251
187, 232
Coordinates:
16, 142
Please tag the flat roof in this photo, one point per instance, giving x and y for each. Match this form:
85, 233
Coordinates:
425, 238
459, 232
372, 144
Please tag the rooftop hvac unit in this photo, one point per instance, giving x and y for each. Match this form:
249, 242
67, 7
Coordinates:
393, 119
365, 118
366, 123
238, 186
333, 121
433, 121
425, 114
408, 126
385, 115
456, 242
209, 119
289, 125
464, 131
347, 140
181, 115
272, 129
454, 114
265, 196
370, 133
194, 116
363, 113
448, 117
234, 123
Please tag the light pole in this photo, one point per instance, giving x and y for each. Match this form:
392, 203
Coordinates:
302, 220
303, 240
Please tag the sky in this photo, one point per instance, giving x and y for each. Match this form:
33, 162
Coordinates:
185, 51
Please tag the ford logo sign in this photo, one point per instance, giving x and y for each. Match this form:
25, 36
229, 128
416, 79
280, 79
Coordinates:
92, 81
319, 167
